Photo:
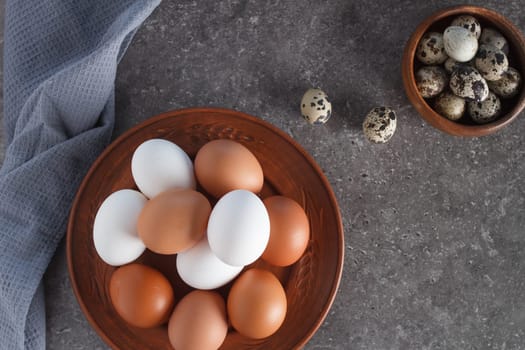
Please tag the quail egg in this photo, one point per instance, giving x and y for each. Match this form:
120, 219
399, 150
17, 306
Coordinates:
491, 62
451, 64
450, 106
466, 82
509, 84
468, 22
431, 80
485, 111
315, 107
431, 49
460, 43
490, 36
380, 124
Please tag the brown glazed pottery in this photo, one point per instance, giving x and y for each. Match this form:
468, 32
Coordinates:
310, 284
438, 22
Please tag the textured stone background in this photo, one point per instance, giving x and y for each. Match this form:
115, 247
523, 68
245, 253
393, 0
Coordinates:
434, 224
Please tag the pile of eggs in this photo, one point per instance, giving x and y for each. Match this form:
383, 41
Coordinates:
466, 71
213, 244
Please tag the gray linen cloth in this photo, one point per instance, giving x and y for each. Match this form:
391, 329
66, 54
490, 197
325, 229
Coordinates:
60, 61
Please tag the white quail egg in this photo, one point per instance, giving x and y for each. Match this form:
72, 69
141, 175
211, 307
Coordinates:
460, 43
509, 84
466, 82
450, 105
431, 49
380, 124
315, 107
431, 80
490, 36
491, 62
468, 22
485, 111
451, 64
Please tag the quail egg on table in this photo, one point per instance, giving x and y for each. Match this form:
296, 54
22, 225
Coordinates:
490, 36
431, 80
450, 106
509, 84
466, 82
460, 43
468, 22
431, 49
315, 107
485, 111
491, 62
380, 124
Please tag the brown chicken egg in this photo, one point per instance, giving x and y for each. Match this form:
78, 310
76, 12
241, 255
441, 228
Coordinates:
198, 322
257, 304
173, 221
141, 295
289, 231
225, 165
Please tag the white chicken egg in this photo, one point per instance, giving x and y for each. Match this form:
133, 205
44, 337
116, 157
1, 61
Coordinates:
115, 228
460, 43
239, 228
200, 268
158, 165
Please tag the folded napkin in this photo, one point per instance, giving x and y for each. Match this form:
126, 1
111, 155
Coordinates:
60, 61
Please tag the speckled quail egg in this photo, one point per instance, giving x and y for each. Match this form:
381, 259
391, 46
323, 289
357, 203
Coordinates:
431, 49
468, 22
466, 82
315, 107
431, 80
451, 64
486, 111
491, 62
449, 105
460, 43
380, 124
490, 36
509, 84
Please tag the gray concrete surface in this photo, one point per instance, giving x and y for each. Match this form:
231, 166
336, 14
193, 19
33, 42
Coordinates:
434, 224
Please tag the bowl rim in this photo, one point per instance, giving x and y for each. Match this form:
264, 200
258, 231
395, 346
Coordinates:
203, 110
421, 105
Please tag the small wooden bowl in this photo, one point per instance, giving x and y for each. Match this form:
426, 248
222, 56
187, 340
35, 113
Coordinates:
310, 284
438, 22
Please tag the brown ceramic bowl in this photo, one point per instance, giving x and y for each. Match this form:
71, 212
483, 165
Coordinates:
310, 284
438, 22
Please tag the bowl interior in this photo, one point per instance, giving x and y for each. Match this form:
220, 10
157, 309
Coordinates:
438, 22
310, 284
